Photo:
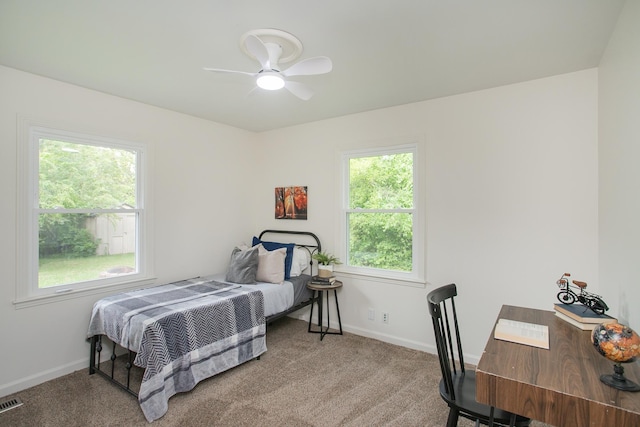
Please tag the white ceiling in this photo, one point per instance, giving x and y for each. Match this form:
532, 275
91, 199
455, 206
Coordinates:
384, 52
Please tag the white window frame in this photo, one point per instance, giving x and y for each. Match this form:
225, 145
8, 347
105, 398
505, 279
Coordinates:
28, 293
417, 276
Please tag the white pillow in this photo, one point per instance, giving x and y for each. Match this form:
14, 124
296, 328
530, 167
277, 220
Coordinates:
271, 265
300, 261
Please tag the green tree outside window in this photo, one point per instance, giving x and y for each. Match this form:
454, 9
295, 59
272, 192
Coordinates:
380, 211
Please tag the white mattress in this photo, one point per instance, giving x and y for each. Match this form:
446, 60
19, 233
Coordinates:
277, 298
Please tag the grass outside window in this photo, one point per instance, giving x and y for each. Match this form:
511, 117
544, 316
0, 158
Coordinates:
56, 270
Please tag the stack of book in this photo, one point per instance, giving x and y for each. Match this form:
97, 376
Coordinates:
317, 280
581, 316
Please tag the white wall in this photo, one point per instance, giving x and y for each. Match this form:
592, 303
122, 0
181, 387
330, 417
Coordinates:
511, 194
199, 176
619, 156
511, 186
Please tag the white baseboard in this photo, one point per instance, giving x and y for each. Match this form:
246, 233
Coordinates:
391, 339
41, 377
44, 376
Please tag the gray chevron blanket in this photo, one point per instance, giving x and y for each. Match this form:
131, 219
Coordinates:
182, 333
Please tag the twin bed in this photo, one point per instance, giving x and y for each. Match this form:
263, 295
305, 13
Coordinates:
183, 332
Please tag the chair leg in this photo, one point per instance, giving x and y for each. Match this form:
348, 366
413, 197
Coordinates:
452, 420
512, 420
491, 411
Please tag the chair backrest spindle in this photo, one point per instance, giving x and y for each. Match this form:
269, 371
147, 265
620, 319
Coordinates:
458, 341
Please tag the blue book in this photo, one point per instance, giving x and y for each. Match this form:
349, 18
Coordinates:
583, 314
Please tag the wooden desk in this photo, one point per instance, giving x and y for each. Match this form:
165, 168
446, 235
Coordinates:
560, 386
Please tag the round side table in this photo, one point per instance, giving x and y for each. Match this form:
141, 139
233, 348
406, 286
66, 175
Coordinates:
318, 290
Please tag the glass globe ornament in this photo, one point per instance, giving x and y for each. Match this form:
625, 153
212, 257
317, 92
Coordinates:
620, 344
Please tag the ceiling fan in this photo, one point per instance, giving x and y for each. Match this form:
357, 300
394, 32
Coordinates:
270, 47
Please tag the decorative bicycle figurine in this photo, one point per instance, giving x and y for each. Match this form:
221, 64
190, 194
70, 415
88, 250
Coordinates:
588, 299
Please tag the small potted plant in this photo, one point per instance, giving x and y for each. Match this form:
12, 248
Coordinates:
326, 261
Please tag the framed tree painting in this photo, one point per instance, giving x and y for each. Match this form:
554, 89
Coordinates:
291, 202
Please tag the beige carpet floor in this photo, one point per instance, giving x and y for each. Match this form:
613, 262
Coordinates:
300, 381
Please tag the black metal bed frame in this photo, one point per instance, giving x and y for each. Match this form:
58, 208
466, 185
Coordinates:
96, 340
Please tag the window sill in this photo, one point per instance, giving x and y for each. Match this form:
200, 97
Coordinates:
36, 300
392, 280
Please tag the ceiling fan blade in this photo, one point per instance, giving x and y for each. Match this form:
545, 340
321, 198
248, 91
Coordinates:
252, 91
300, 90
309, 67
220, 70
257, 48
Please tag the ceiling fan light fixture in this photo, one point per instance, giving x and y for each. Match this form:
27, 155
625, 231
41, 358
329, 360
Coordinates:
271, 47
270, 82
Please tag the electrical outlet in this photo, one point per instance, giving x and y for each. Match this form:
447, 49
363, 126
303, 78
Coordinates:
372, 314
385, 317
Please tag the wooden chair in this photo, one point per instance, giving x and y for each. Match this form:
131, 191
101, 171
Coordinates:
458, 385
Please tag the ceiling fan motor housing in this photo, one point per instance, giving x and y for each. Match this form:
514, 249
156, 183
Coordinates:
290, 47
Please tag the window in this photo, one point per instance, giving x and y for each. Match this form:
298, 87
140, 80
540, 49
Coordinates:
84, 223
382, 215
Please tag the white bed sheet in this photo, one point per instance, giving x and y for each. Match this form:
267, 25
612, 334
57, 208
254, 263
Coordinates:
277, 298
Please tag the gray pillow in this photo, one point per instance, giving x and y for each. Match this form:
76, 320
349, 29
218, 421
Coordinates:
243, 266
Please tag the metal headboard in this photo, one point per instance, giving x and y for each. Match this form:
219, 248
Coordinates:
312, 248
